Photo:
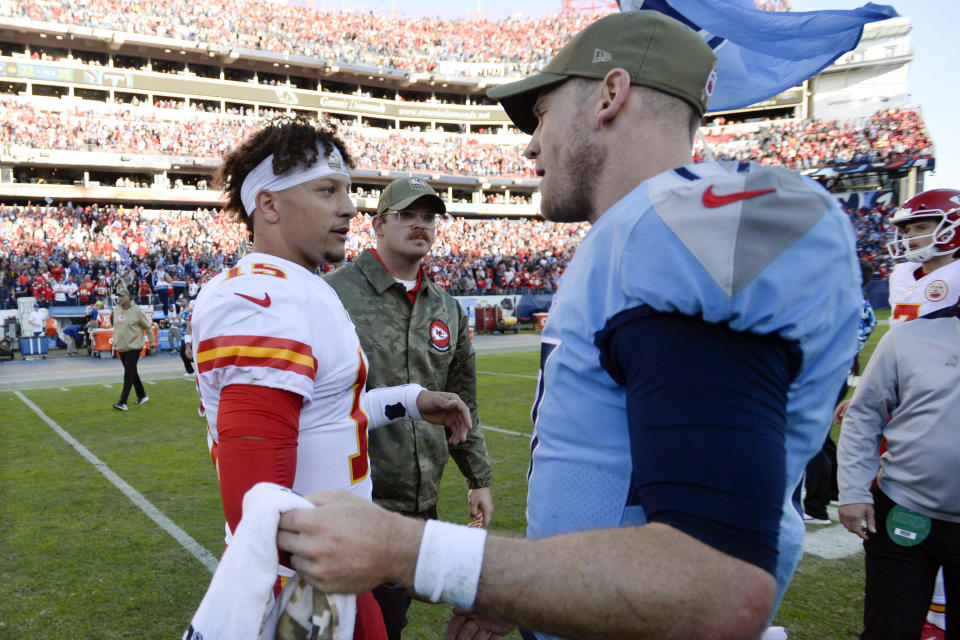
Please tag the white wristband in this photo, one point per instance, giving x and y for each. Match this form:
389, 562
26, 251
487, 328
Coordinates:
389, 404
449, 563
188, 338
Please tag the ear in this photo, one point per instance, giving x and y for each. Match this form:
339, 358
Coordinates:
614, 91
268, 206
377, 224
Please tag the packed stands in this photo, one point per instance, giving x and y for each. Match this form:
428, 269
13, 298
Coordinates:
888, 135
508, 47
469, 255
873, 232
41, 246
147, 130
513, 46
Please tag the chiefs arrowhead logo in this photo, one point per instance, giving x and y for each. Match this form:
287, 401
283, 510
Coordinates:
439, 336
711, 199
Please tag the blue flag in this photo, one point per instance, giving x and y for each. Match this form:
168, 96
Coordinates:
761, 53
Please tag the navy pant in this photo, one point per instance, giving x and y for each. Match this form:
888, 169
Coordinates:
130, 376
900, 580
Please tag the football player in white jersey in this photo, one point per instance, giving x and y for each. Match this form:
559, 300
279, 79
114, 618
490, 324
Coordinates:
927, 236
280, 369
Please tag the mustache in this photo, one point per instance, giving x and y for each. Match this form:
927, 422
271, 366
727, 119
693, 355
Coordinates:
413, 235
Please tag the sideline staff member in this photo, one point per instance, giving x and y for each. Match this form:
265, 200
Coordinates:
910, 520
413, 331
129, 325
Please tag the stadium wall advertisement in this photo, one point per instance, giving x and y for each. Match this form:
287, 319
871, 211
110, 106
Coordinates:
522, 306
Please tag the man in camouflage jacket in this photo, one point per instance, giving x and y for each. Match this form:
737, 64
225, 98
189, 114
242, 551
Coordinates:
413, 331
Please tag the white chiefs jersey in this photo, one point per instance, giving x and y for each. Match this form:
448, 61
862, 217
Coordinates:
913, 294
271, 322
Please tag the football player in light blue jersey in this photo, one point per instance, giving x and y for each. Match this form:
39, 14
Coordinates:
697, 341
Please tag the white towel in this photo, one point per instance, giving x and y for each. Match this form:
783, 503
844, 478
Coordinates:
240, 595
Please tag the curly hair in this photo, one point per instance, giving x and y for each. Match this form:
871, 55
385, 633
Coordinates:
293, 141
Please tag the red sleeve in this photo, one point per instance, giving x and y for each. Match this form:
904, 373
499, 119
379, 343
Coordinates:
257, 431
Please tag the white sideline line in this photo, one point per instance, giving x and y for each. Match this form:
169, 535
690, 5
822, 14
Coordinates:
831, 542
108, 386
510, 375
205, 557
512, 433
149, 382
64, 389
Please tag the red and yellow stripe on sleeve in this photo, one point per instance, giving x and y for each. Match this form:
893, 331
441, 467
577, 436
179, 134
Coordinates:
256, 351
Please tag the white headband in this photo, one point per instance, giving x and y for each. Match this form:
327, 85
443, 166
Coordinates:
262, 176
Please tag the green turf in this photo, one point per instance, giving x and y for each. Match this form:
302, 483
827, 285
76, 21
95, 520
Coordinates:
79, 560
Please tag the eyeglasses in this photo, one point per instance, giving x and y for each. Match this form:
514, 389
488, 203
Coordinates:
406, 217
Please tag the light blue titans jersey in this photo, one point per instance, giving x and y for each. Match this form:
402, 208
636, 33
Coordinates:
760, 249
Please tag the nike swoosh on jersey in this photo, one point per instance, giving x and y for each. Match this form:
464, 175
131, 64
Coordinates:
263, 302
711, 199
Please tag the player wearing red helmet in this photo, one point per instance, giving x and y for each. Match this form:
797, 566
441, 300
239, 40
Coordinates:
927, 235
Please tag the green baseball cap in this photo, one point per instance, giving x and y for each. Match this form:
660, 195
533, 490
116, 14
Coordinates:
658, 52
403, 192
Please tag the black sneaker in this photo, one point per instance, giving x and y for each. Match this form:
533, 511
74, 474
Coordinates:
143, 400
120, 406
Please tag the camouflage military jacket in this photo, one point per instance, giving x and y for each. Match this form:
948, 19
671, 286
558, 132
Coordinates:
427, 343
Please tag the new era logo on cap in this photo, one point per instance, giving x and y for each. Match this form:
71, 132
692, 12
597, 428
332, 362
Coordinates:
599, 55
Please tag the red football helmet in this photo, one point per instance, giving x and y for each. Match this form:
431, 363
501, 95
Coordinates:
939, 205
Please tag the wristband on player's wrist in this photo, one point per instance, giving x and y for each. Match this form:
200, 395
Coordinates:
389, 404
449, 563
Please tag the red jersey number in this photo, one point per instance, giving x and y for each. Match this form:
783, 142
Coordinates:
906, 312
359, 462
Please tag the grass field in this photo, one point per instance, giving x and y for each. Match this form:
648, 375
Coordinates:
78, 559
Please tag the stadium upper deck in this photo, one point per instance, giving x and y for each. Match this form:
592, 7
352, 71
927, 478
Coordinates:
146, 98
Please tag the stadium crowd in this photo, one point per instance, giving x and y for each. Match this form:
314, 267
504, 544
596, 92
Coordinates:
507, 47
888, 135
512, 46
65, 254
873, 229
150, 131
89, 250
